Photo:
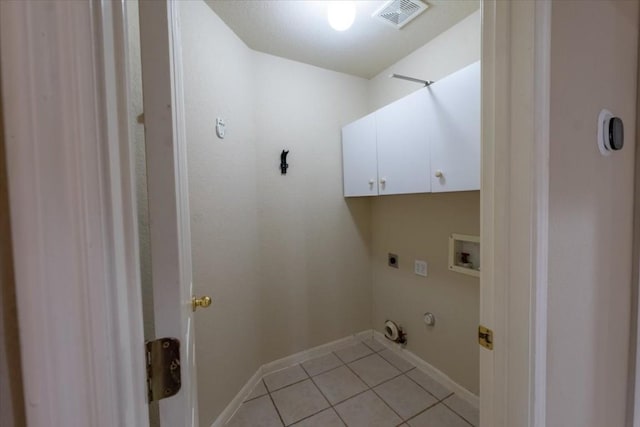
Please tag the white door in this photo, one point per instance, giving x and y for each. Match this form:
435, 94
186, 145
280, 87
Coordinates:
168, 199
359, 157
455, 131
403, 146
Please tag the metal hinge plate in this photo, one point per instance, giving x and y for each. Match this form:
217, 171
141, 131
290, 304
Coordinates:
163, 368
485, 337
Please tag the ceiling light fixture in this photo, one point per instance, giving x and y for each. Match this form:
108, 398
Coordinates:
341, 14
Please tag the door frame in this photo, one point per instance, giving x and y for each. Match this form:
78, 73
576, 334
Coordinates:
168, 196
73, 212
514, 210
97, 284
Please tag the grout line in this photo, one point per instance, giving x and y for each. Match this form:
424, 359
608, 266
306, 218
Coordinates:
391, 363
411, 379
273, 403
439, 400
454, 411
368, 388
422, 412
327, 370
339, 416
374, 392
373, 349
257, 397
350, 397
254, 398
325, 397
383, 382
309, 416
288, 385
280, 388
446, 397
359, 358
425, 389
305, 371
388, 406
319, 389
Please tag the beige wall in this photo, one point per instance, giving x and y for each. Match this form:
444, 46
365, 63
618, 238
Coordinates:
418, 227
11, 393
455, 48
218, 81
285, 258
315, 266
593, 65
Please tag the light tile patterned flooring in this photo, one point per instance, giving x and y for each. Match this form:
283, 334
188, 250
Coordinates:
365, 385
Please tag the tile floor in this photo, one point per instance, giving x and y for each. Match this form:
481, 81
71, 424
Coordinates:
365, 385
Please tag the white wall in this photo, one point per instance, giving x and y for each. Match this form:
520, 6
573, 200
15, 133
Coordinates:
418, 227
285, 258
593, 65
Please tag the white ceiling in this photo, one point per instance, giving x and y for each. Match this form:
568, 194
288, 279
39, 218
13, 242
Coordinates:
298, 30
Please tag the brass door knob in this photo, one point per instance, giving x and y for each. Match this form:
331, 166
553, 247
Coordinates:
203, 302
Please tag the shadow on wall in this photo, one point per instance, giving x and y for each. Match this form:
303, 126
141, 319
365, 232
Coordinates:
360, 210
11, 392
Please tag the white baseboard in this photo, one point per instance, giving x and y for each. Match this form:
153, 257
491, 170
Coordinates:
283, 363
235, 403
294, 359
430, 370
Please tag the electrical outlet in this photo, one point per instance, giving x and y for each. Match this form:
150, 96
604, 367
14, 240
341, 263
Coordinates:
420, 267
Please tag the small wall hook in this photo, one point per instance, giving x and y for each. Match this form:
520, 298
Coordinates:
283, 162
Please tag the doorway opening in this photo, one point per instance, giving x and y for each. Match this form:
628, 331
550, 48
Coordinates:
297, 266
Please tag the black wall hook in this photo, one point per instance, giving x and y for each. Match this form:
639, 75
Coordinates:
283, 162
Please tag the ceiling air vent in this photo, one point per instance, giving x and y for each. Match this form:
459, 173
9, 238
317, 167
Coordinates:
399, 13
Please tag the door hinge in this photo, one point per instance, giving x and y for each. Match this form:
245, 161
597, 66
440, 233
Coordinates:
485, 337
163, 368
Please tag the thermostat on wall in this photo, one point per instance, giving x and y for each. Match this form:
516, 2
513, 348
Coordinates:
610, 133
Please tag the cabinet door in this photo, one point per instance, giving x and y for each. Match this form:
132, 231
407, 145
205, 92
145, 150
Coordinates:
359, 158
403, 146
454, 111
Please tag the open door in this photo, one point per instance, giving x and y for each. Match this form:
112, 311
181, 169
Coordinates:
170, 244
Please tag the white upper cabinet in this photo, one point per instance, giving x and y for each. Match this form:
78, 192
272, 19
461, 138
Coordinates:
359, 158
403, 146
454, 137
428, 141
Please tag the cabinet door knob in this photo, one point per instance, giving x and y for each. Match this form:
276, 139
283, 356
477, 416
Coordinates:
439, 174
383, 180
371, 182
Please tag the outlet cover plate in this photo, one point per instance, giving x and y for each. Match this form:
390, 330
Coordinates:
420, 267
